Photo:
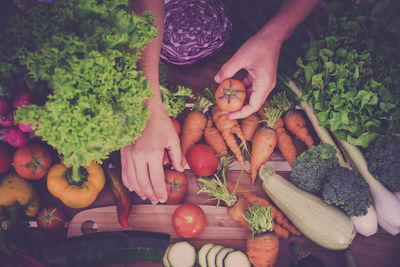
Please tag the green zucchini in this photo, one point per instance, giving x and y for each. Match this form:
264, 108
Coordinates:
105, 248
165, 261
219, 259
324, 224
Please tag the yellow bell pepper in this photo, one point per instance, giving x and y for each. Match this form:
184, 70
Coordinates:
76, 193
14, 188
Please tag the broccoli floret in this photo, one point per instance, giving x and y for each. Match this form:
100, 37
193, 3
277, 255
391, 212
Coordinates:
347, 190
312, 166
383, 159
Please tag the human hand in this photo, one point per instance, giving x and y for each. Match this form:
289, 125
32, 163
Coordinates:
259, 56
141, 162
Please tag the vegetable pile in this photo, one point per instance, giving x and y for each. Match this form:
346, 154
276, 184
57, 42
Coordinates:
194, 30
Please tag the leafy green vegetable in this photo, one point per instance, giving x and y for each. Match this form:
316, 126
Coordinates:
98, 96
347, 190
310, 169
350, 72
174, 102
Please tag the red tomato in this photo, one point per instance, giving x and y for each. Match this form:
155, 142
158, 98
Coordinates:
202, 160
230, 95
189, 220
6, 156
32, 161
177, 186
51, 219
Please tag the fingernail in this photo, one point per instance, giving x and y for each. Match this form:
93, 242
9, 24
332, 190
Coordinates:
163, 200
154, 202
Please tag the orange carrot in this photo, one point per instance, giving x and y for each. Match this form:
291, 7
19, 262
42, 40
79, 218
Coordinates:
236, 211
214, 139
296, 124
264, 143
249, 126
194, 124
228, 128
285, 142
262, 250
278, 216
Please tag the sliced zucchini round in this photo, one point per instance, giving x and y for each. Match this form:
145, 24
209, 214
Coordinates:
219, 259
212, 253
181, 254
202, 254
165, 261
236, 259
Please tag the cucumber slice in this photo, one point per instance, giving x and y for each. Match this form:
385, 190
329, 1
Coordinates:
181, 254
202, 254
236, 259
212, 253
219, 259
165, 261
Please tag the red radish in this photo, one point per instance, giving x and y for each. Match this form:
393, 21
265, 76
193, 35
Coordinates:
5, 105
23, 98
16, 137
26, 128
6, 156
7, 119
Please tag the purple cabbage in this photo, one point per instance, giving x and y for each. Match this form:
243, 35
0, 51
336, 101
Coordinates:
194, 30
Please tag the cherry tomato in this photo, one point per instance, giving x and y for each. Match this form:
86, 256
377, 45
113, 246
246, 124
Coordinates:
177, 186
202, 160
189, 220
51, 219
32, 161
230, 95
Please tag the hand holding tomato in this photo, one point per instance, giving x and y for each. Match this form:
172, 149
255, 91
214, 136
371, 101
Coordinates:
189, 220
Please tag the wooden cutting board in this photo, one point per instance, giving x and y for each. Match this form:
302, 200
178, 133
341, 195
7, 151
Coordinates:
155, 218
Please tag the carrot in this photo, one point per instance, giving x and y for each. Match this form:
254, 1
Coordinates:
264, 142
285, 142
194, 124
236, 211
263, 249
296, 124
279, 218
214, 139
228, 128
249, 126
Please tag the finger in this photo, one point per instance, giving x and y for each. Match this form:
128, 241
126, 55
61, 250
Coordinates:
175, 155
227, 70
158, 182
144, 183
124, 170
247, 81
133, 177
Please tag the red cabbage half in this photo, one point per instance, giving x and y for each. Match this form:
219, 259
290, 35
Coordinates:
193, 30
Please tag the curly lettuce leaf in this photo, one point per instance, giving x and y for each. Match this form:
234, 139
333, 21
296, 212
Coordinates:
174, 101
